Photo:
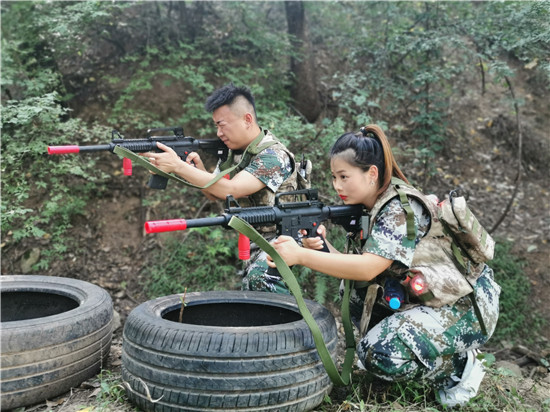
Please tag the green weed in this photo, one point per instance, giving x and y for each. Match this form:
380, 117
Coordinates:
202, 259
518, 311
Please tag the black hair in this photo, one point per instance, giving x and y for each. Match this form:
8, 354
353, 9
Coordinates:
367, 151
369, 147
226, 95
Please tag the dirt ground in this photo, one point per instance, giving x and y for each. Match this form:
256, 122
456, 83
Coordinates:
113, 249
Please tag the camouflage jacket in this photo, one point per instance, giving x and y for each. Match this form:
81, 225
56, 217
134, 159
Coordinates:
274, 166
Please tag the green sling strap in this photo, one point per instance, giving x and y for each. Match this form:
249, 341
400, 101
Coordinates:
340, 380
251, 150
411, 232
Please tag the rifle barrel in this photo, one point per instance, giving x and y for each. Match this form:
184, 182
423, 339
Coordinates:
77, 149
158, 226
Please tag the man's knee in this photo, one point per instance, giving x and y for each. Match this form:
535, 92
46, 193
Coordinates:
258, 279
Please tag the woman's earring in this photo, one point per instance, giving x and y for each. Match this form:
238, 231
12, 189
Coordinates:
372, 182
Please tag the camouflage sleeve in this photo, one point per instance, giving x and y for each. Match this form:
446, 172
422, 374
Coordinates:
388, 237
272, 166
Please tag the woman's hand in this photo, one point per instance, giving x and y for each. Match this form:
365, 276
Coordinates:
316, 242
289, 250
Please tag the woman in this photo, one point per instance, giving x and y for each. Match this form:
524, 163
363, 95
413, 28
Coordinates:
429, 331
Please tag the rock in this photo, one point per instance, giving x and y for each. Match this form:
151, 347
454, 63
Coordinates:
29, 259
511, 367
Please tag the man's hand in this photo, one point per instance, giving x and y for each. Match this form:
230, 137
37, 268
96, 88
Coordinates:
168, 161
194, 159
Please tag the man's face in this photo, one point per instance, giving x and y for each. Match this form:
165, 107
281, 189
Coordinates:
232, 129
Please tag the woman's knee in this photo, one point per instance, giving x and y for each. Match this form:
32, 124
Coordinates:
387, 357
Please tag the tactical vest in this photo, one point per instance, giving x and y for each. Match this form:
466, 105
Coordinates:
446, 279
264, 197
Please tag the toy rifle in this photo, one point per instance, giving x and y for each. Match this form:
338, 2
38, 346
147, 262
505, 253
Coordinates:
288, 217
182, 146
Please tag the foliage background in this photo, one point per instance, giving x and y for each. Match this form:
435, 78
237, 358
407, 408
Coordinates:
443, 78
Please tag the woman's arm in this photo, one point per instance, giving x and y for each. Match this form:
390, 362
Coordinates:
344, 266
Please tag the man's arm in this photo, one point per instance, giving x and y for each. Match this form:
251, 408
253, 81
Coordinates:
241, 185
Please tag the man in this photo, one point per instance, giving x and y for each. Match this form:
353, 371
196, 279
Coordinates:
268, 168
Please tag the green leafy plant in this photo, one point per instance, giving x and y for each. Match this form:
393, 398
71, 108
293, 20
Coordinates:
110, 393
63, 184
517, 307
202, 259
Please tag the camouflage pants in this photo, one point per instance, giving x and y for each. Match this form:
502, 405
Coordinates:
430, 343
259, 277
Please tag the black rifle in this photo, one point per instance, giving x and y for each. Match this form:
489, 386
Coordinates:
182, 146
288, 217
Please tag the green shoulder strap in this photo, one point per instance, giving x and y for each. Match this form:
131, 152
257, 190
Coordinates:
340, 380
411, 234
141, 161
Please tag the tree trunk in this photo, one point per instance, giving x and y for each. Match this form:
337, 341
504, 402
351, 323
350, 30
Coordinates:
304, 90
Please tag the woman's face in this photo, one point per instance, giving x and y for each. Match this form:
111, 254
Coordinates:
353, 184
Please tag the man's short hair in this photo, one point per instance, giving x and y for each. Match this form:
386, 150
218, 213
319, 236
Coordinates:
227, 95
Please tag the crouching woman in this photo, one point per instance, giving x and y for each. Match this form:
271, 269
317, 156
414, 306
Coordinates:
422, 311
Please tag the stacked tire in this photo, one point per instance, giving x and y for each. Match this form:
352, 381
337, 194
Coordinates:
56, 333
225, 351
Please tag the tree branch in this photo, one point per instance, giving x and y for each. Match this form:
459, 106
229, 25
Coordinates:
520, 144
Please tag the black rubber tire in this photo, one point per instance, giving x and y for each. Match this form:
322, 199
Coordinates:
240, 351
56, 333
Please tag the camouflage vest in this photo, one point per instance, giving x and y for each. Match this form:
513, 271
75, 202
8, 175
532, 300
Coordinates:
264, 197
446, 279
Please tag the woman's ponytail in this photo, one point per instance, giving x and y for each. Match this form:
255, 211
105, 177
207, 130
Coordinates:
391, 168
